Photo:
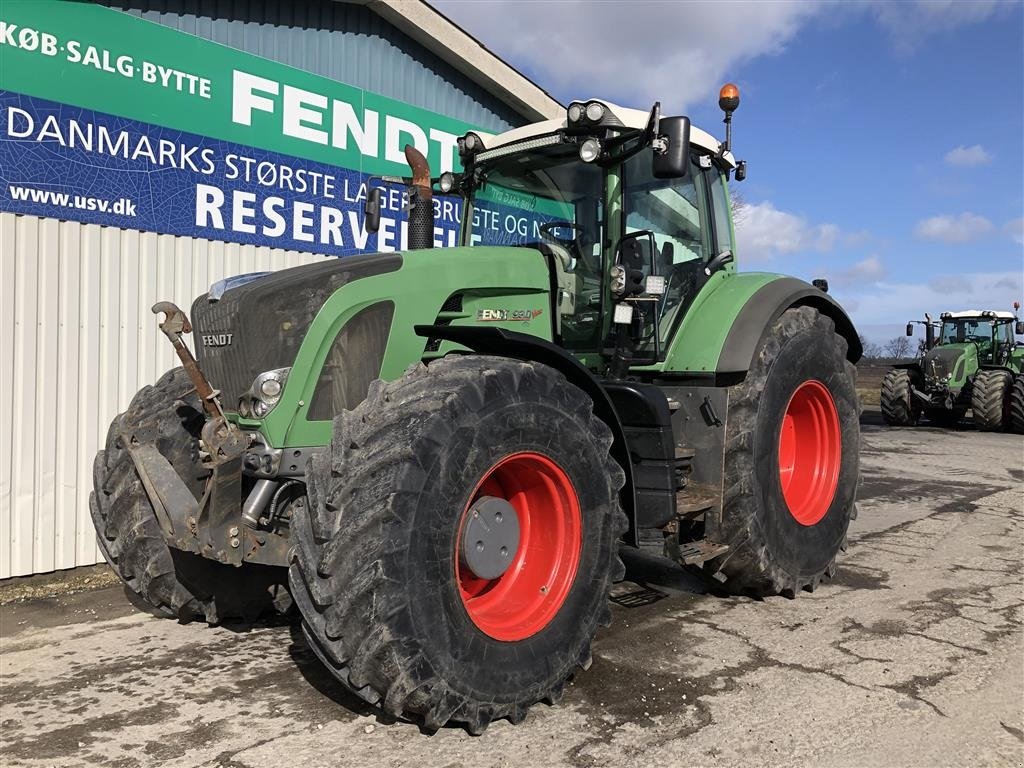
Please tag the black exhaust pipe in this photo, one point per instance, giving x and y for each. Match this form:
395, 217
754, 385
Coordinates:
421, 201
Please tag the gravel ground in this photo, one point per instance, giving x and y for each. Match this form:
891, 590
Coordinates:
913, 655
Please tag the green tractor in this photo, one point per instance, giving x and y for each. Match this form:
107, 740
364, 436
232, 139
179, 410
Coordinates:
437, 454
974, 363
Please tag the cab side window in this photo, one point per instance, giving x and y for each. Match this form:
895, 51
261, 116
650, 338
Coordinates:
722, 212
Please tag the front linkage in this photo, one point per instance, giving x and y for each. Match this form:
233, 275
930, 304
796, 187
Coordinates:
211, 526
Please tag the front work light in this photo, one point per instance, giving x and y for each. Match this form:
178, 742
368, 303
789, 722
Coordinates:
590, 150
595, 111
654, 285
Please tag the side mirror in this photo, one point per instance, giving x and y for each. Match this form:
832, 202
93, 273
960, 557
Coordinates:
634, 260
1018, 327
910, 329
672, 160
372, 210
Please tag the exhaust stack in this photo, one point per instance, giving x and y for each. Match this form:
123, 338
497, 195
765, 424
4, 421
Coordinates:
421, 197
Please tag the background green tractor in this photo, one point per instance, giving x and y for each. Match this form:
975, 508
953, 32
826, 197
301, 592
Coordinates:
444, 449
974, 363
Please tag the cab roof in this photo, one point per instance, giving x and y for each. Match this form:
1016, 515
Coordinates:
629, 118
980, 314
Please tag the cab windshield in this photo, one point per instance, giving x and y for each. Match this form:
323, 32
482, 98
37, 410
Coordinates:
962, 330
548, 199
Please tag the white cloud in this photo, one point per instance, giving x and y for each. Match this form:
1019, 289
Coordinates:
677, 52
961, 228
1015, 229
869, 270
763, 232
884, 303
968, 157
633, 53
910, 23
951, 285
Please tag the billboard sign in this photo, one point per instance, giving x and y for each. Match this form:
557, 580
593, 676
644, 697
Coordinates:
109, 119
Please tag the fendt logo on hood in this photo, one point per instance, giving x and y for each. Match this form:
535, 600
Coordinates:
217, 339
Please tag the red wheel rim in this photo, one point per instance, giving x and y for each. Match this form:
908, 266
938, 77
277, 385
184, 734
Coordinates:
810, 452
524, 599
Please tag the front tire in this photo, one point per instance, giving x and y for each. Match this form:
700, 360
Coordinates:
1017, 405
990, 398
791, 462
174, 583
388, 601
898, 407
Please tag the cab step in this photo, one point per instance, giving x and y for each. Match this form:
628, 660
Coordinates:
697, 552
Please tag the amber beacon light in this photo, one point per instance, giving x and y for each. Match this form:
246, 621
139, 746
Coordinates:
729, 98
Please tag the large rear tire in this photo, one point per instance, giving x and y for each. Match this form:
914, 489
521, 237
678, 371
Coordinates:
990, 398
390, 605
176, 584
898, 407
791, 461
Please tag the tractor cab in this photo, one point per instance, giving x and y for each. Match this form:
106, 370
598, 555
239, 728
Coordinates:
989, 332
630, 209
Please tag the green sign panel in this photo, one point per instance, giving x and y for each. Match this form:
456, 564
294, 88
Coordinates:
97, 58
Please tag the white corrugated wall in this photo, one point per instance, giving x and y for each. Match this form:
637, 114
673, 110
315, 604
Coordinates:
77, 340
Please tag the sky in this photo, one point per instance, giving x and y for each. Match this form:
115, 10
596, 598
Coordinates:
884, 140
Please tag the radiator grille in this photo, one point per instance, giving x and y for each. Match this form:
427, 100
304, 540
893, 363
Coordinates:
268, 318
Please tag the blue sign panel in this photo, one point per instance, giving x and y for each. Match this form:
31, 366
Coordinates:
65, 162
69, 163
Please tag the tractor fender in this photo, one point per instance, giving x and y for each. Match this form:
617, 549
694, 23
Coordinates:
522, 346
765, 306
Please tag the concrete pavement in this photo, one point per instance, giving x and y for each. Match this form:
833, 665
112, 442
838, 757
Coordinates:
913, 655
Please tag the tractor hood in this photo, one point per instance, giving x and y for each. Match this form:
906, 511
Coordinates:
949, 364
299, 318
258, 326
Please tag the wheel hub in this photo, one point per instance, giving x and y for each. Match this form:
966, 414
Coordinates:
490, 537
535, 495
810, 452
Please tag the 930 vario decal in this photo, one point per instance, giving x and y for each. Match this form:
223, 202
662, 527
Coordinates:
507, 315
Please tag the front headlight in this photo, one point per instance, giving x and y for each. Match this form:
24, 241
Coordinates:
590, 150
264, 393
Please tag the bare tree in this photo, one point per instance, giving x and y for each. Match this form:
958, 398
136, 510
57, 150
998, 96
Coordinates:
740, 206
898, 347
871, 350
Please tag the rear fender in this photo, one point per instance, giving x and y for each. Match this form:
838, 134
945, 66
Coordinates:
765, 306
723, 327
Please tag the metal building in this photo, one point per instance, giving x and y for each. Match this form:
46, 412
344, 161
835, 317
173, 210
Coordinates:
139, 139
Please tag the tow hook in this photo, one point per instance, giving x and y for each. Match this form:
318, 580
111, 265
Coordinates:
221, 440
